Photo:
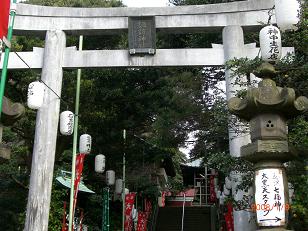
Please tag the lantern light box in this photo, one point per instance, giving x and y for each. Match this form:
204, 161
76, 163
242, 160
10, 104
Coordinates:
100, 162
110, 177
85, 142
118, 186
35, 95
287, 14
270, 43
67, 123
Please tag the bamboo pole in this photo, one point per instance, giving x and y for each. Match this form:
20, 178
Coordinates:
71, 209
123, 188
6, 55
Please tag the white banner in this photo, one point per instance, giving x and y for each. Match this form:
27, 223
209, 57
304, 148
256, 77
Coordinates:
269, 197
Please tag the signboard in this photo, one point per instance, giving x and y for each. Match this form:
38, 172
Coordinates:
269, 197
141, 35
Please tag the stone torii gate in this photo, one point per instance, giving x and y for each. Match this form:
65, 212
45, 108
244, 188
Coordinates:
55, 23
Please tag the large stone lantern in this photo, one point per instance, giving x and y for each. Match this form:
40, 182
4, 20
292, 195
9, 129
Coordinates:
267, 108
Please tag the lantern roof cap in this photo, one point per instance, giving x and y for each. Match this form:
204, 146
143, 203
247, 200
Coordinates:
268, 98
265, 70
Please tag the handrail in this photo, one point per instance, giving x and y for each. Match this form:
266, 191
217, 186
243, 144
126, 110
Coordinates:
183, 212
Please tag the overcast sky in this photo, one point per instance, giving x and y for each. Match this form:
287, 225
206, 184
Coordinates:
145, 3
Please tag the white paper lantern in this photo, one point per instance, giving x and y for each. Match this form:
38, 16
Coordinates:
218, 194
135, 214
270, 43
66, 123
110, 177
35, 95
118, 186
100, 162
126, 191
228, 183
226, 191
291, 192
222, 199
287, 14
85, 142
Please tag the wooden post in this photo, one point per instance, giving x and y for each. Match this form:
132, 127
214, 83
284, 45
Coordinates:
46, 135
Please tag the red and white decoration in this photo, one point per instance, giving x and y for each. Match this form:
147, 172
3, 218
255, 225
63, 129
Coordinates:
270, 43
162, 199
229, 218
4, 17
129, 204
212, 189
143, 217
79, 167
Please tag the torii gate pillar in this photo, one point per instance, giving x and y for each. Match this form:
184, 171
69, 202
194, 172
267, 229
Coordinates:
46, 135
234, 47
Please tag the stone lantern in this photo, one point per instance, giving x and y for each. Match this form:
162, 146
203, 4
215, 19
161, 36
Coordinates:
267, 108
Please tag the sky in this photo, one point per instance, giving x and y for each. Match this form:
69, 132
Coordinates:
145, 3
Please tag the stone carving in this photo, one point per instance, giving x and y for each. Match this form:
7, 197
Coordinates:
267, 108
11, 112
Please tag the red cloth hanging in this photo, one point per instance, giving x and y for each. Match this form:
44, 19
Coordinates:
163, 198
212, 189
229, 217
79, 167
64, 225
142, 221
129, 203
4, 17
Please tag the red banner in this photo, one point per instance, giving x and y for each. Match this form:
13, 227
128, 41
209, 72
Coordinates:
212, 189
163, 198
4, 17
148, 208
129, 204
79, 167
142, 221
229, 217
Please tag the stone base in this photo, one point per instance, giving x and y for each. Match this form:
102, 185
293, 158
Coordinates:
259, 150
5, 152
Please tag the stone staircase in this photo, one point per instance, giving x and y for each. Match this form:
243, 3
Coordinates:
195, 219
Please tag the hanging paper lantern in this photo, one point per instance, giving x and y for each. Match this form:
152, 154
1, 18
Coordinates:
118, 186
226, 191
218, 194
35, 95
126, 191
228, 183
85, 142
287, 13
270, 43
66, 123
135, 214
110, 177
100, 162
222, 199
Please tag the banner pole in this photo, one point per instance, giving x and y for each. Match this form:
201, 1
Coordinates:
7, 54
123, 188
71, 209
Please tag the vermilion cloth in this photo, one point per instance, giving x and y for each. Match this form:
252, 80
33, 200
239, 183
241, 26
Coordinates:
4, 17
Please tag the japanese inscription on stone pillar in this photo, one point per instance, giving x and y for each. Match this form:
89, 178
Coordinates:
269, 197
141, 35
